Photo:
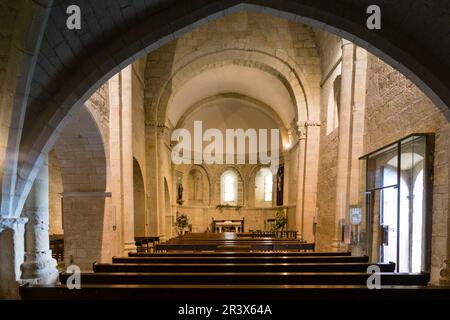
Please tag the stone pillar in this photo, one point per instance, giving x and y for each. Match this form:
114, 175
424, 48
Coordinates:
310, 178
11, 255
162, 136
300, 206
345, 145
39, 266
357, 138
287, 173
127, 159
115, 162
151, 154
445, 272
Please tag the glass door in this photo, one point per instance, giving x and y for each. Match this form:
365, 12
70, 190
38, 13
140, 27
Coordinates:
388, 224
398, 186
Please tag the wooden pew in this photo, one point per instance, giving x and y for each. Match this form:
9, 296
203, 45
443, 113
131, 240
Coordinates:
264, 278
253, 246
239, 267
224, 260
230, 292
239, 254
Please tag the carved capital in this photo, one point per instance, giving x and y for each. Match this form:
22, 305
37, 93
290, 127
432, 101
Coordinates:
301, 133
11, 223
313, 124
302, 128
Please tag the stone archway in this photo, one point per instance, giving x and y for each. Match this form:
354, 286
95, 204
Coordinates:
80, 153
414, 54
283, 69
58, 90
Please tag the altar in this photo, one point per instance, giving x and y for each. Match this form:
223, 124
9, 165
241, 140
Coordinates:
228, 225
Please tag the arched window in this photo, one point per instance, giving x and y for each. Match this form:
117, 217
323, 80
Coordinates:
268, 183
229, 187
264, 187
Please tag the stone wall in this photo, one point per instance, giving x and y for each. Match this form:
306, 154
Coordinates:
54, 192
84, 232
396, 108
201, 213
79, 168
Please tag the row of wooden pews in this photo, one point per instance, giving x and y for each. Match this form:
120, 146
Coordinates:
192, 275
225, 241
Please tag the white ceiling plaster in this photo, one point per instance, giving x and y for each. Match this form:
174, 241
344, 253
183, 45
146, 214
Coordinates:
247, 81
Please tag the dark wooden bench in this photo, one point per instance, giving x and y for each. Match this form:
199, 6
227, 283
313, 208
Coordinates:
267, 293
256, 246
239, 267
223, 260
240, 254
415, 279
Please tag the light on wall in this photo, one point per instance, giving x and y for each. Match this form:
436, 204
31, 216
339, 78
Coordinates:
287, 143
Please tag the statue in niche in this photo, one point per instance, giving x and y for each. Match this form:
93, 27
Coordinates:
280, 186
180, 194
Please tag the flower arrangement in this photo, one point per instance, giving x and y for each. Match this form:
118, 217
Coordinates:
182, 222
280, 220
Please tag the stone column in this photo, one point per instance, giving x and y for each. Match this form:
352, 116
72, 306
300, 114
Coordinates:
151, 155
163, 168
345, 145
127, 159
115, 162
310, 178
39, 266
357, 138
11, 255
299, 208
445, 272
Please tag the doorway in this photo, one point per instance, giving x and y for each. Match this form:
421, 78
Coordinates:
398, 185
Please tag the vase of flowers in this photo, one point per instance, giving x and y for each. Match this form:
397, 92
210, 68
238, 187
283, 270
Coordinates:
280, 220
182, 223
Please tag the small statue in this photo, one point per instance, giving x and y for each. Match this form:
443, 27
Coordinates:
180, 194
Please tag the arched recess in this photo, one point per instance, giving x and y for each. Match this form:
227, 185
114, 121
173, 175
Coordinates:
140, 223
80, 153
198, 191
286, 71
260, 106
